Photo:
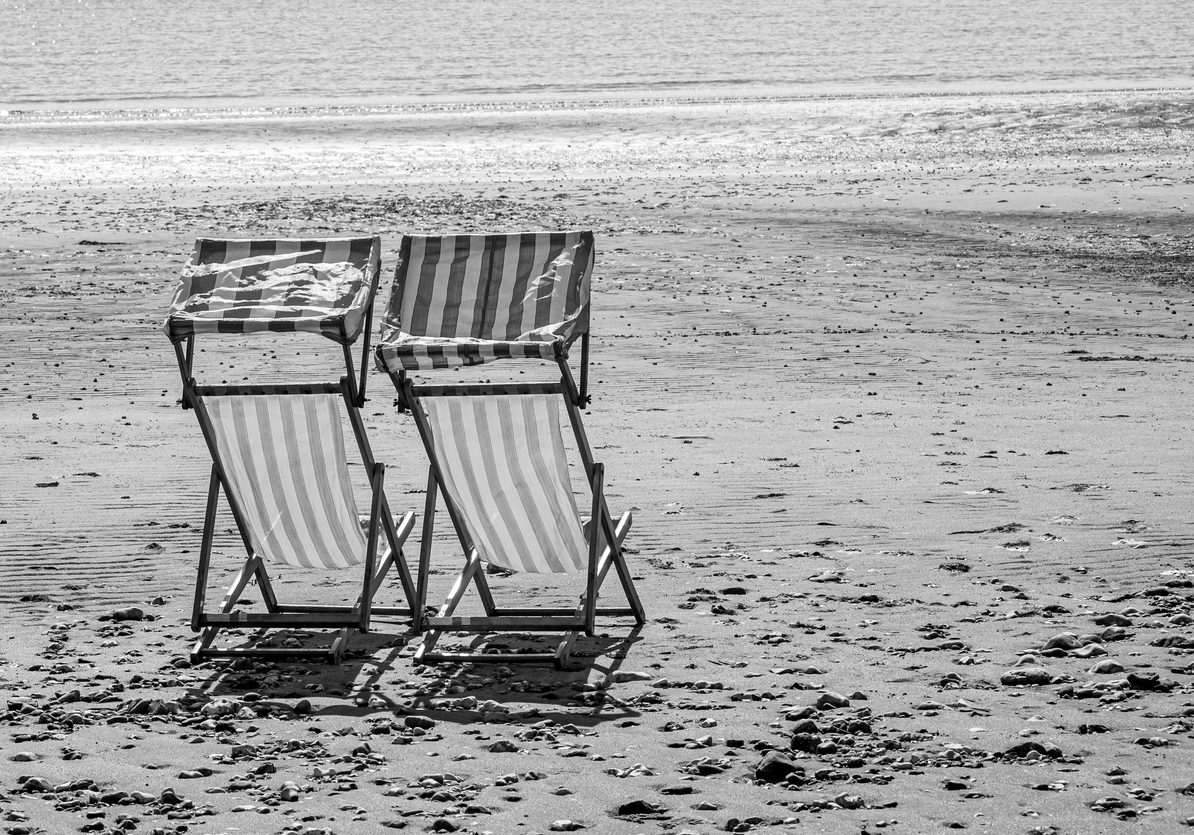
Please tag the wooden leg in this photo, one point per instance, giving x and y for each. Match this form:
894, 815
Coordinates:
366, 601
425, 550
209, 528
471, 568
396, 553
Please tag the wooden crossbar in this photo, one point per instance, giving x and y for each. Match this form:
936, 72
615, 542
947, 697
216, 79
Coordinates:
483, 389
506, 623
283, 620
270, 388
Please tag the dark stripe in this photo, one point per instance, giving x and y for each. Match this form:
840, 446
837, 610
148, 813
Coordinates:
548, 287
584, 266
494, 253
522, 275
338, 506
537, 517
401, 286
457, 279
491, 472
424, 284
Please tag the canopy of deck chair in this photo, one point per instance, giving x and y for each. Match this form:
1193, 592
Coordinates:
469, 299
247, 286
284, 464
503, 463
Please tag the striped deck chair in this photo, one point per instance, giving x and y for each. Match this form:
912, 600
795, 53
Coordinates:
496, 450
324, 286
278, 451
469, 299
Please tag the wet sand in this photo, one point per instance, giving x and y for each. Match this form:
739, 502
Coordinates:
902, 414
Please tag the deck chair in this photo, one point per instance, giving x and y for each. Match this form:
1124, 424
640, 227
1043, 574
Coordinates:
278, 450
496, 450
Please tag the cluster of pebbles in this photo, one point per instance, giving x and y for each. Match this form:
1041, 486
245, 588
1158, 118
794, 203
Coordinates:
311, 752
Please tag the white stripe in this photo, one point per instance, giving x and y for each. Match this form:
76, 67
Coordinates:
412, 288
325, 530
541, 513
237, 250
502, 296
568, 276
337, 251
471, 286
538, 267
438, 292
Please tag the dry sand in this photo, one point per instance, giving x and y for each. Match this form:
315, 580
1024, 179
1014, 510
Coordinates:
904, 418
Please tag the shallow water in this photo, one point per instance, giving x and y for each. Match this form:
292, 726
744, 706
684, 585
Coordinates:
121, 54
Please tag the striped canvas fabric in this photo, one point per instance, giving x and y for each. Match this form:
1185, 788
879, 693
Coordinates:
284, 460
245, 286
469, 299
503, 464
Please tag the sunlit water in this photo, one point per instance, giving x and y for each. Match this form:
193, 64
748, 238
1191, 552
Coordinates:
154, 54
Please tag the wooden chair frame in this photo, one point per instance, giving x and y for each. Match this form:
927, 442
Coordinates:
294, 616
605, 538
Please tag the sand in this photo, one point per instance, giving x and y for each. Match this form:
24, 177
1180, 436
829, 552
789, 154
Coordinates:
903, 417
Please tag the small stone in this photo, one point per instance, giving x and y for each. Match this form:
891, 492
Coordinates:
1020, 676
421, 722
639, 807
1144, 681
806, 726
37, 784
622, 676
808, 743
565, 826
131, 613
1152, 742
830, 700
775, 768
1066, 641
1107, 667
1089, 651
23, 757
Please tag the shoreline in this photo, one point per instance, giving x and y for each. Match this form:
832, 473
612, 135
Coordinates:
182, 111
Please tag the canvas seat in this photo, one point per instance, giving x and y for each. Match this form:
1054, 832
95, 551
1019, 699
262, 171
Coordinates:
278, 450
496, 450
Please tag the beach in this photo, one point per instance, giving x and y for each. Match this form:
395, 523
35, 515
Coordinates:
896, 386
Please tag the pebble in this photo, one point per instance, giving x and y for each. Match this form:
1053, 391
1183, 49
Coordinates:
131, 613
639, 807
774, 767
1066, 641
830, 700
1107, 667
1019, 676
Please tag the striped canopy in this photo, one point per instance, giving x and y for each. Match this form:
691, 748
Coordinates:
284, 464
468, 299
503, 463
245, 286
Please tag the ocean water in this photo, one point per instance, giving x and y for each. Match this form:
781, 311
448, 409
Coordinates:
274, 55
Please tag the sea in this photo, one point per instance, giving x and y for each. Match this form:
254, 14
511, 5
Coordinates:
72, 59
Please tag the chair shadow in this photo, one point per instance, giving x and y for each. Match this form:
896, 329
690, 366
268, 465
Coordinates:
465, 692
